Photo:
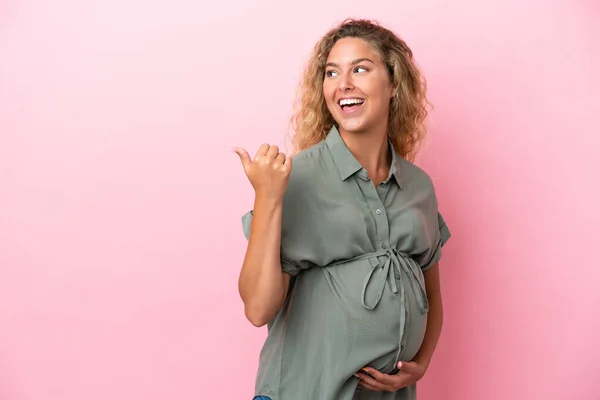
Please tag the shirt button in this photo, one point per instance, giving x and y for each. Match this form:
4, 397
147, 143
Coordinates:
383, 184
378, 211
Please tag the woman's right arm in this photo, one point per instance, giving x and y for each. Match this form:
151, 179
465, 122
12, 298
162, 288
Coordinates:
262, 284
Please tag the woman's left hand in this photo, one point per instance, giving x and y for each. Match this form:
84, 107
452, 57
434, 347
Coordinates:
410, 373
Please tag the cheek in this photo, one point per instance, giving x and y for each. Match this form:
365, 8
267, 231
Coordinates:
328, 95
378, 89
327, 90
381, 100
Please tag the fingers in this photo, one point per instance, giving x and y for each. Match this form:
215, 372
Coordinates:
273, 152
370, 387
373, 379
379, 376
262, 150
270, 153
266, 154
371, 383
267, 151
407, 367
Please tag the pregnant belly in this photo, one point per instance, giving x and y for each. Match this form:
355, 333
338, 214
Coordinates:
392, 330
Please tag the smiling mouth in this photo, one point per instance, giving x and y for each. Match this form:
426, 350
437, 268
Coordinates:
350, 105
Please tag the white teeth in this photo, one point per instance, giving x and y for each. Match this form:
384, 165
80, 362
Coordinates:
346, 102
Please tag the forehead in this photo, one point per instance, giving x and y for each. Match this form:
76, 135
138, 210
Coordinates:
348, 49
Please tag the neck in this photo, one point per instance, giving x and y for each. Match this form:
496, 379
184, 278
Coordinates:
371, 150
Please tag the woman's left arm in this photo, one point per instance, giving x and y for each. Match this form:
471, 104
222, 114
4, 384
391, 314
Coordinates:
435, 317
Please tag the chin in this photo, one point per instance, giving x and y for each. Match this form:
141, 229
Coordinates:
353, 126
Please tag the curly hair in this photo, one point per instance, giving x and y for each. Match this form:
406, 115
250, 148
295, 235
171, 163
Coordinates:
408, 109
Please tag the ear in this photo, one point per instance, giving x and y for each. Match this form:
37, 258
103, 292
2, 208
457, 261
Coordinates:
393, 91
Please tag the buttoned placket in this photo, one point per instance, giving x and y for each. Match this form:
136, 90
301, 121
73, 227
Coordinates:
375, 198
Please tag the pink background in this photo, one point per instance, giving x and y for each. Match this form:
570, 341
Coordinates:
120, 205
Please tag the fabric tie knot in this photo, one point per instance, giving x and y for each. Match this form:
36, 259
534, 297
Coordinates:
394, 264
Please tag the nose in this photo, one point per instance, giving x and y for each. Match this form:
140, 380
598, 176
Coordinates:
345, 83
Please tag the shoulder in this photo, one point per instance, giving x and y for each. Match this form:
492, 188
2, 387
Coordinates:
306, 164
420, 186
415, 176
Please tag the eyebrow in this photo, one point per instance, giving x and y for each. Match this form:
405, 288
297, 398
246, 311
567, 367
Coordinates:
357, 61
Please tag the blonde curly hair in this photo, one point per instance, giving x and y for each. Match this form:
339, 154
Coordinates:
408, 109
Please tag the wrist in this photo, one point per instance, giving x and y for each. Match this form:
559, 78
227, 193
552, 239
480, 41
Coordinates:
422, 360
268, 201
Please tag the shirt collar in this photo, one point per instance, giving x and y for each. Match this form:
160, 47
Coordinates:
347, 165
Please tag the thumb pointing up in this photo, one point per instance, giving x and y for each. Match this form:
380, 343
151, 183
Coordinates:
268, 172
244, 157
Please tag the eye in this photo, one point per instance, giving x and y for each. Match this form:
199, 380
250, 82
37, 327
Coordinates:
358, 69
329, 73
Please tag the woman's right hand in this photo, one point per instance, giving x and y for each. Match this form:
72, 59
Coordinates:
268, 173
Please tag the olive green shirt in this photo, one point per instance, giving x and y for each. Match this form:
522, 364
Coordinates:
357, 255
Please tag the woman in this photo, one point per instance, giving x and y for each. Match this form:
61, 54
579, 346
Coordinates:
343, 248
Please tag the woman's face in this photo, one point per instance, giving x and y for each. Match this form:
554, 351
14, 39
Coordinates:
357, 86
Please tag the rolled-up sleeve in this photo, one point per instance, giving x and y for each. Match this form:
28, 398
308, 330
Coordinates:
441, 236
